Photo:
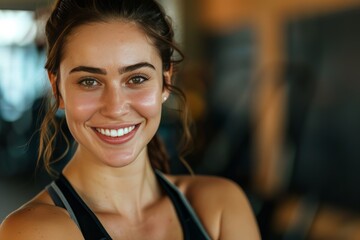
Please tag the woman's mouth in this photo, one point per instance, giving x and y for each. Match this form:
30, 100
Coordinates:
115, 132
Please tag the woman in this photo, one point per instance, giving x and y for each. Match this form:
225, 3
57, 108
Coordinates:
110, 64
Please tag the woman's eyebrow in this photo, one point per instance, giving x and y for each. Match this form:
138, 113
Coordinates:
89, 70
136, 66
122, 70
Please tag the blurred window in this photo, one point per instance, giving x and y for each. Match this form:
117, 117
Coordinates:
22, 74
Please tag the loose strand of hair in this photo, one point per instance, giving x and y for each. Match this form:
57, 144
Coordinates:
48, 131
185, 143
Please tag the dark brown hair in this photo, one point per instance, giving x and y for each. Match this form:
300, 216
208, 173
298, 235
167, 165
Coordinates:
67, 15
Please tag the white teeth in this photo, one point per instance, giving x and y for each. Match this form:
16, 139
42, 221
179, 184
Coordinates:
115, 132
120, 132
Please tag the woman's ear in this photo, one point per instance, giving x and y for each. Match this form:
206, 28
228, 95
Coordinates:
167, 75
55, 89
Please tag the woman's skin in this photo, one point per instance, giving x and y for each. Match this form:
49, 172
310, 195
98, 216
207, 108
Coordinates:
111, 83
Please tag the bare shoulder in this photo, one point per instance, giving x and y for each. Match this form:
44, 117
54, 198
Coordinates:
39, 219
221, 205
217, 191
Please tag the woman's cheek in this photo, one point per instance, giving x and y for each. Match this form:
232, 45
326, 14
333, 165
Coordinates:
81, 106
149, 102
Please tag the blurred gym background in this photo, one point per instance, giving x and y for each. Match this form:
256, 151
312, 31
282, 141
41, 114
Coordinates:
274, 90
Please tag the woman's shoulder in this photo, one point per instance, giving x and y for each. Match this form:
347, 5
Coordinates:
211, 188
221, 205
38, 219
206, 182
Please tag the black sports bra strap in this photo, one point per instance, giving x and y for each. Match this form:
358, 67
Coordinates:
89, 224
192, 228
55, 197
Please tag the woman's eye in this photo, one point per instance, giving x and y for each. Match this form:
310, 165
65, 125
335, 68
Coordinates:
137, 80
89, 82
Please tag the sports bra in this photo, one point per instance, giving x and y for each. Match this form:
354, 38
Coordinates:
65, 196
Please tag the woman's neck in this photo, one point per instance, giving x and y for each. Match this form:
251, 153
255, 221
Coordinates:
126, 190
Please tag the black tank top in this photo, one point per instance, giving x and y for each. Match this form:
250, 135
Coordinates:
65, 196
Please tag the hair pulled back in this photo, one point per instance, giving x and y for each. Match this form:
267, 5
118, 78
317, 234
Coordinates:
66, 16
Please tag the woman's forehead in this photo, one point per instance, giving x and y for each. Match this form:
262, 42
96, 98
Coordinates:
122, 42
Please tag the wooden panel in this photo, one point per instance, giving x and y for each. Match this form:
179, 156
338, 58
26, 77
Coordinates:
218, 14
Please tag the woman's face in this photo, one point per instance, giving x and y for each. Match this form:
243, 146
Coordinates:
111, 86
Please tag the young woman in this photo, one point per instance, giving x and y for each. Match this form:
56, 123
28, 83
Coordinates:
110, 64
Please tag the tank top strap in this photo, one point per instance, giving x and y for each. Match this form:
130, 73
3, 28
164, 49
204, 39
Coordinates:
64, 195
191, 225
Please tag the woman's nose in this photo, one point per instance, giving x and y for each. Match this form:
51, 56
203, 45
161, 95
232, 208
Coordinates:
115, 103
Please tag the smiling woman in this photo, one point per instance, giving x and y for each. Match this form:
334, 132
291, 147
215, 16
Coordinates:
115, 87
110, 64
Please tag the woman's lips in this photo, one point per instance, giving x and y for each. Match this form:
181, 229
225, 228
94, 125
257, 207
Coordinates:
115, 132
116, 135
